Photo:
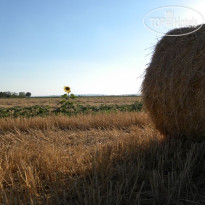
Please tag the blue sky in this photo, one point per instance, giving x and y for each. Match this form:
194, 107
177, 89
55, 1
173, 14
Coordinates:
95, 47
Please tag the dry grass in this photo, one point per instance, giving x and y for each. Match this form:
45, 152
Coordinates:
97, 159
96, 101
80, 122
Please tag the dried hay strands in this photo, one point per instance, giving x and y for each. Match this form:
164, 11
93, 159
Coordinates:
174, 85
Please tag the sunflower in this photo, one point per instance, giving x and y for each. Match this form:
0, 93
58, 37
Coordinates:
67, 89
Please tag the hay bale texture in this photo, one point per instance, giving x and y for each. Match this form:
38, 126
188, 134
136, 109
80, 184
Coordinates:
174, 84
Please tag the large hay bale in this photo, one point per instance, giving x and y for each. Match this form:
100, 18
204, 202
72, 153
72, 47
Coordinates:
174, 84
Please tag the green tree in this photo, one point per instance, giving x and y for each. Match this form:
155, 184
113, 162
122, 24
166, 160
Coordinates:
14, 95
28, 94
7, 94
22, 94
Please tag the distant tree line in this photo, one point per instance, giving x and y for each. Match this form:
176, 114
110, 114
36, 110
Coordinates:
9, 94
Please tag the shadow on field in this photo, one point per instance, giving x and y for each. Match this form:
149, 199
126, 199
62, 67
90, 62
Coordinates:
143, 172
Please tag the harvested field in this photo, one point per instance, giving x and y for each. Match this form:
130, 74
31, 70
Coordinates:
96, 101
97, 159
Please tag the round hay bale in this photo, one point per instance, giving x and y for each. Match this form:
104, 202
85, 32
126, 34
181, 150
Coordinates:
174, 85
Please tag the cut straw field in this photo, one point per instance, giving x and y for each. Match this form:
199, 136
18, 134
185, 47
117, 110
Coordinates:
116, 158
108, 100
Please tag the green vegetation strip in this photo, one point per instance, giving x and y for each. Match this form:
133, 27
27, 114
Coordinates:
67, 108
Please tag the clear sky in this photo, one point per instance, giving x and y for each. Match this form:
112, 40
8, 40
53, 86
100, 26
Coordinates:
93, 46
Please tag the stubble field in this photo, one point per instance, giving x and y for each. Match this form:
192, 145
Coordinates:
103, 158
96, 101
